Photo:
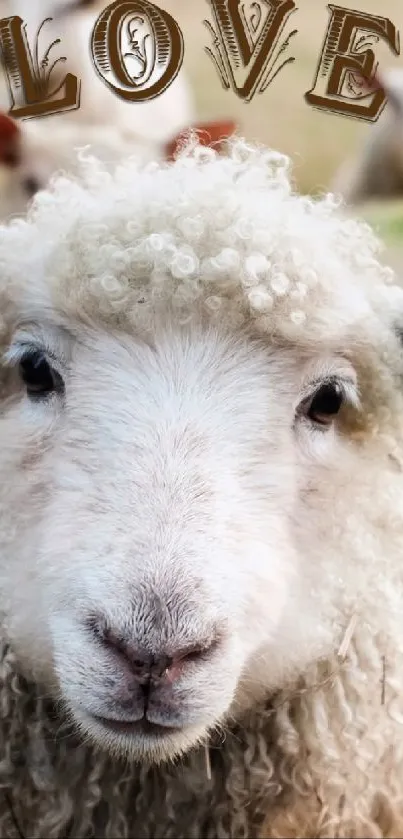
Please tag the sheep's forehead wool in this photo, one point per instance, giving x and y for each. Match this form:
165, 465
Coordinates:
225, 236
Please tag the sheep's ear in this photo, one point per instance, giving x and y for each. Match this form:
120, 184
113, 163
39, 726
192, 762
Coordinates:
10, 136
208, 134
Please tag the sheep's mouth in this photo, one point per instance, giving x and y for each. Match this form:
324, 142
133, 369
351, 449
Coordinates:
137, 727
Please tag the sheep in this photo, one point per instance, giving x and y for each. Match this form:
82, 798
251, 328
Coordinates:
201, 584
152, 121
377, 170
32, 151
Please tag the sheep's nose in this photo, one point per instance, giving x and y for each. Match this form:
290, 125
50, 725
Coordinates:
144, 666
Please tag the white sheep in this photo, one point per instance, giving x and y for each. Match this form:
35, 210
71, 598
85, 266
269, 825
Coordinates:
375, 172
201, 509
151, 122
32, 151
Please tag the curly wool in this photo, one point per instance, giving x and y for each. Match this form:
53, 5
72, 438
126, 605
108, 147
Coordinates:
52, 786
326, 759
263, 255
123, 248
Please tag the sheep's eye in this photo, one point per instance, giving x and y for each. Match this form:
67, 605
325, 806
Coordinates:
38, 376
325, 404
30, 186
10, 158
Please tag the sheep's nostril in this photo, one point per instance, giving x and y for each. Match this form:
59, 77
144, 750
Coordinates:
148, 667
196, 653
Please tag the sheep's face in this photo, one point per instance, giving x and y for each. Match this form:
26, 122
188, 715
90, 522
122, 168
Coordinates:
160, 484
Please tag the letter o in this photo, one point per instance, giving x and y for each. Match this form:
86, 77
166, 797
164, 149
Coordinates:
109, 61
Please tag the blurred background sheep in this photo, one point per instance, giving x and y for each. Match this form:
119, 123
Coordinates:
376, 171
318, 141
39, 147
321, 144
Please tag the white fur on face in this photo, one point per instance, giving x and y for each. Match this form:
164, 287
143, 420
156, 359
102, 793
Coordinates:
176, 503
161, 503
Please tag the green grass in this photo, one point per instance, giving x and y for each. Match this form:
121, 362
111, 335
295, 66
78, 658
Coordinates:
387, 219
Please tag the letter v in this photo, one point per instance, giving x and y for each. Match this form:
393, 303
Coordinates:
244, 43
